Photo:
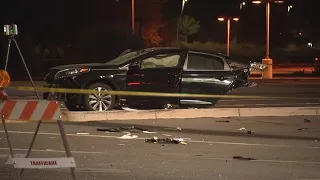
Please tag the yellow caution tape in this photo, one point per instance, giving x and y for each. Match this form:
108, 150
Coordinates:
136, 93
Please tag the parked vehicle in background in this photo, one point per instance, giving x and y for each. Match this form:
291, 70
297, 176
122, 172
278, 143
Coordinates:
164, 70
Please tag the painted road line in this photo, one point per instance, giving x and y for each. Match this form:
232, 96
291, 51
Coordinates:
140, 138
50, 151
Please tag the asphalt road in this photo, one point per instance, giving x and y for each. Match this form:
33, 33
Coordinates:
271, 92
278, 149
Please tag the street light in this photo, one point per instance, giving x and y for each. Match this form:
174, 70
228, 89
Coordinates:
228, 29
181, 13
268, 73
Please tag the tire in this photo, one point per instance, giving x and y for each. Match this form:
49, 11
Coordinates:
99, 102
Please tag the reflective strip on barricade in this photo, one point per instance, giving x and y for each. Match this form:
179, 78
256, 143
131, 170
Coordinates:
34, 110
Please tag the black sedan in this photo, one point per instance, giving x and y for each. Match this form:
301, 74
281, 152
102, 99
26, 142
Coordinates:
164, 70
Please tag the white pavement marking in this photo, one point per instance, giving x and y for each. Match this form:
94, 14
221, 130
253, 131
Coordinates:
49, 150
241, 144
192, 141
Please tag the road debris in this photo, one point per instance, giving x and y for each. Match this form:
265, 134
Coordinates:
242, 158
125, 129
179, 128
165, 141
168, 135
128, 136
242, 129
82, 133
307, 121
249, 132
223, 121
303, 129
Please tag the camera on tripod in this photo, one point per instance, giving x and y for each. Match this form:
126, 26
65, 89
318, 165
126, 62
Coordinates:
10, 29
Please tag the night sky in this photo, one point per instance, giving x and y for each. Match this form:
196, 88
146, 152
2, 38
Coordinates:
61, 17
62, 22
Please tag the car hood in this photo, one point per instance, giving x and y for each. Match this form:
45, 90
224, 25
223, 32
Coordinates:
88, 65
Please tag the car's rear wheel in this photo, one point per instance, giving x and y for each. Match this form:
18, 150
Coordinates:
98, 100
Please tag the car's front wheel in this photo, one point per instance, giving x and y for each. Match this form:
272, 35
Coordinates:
98, 100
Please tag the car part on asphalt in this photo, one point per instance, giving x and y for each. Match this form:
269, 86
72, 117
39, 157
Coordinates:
125, 129
243, 158
164, 141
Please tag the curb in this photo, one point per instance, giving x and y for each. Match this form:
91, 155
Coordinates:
86, 116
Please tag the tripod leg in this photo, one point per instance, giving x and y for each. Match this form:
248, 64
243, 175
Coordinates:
8, 53
66, 145
25, 65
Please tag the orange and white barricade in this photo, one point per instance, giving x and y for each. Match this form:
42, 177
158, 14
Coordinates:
35, 110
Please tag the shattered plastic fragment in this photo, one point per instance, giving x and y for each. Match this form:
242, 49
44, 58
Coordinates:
303, 129
128, 136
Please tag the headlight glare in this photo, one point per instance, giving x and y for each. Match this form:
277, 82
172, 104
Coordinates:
70, 72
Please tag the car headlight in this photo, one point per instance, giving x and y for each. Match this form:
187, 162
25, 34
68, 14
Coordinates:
70, 72
258, 67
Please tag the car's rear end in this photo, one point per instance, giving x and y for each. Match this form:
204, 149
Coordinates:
243, 70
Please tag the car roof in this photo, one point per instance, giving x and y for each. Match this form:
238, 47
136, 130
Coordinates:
184, 48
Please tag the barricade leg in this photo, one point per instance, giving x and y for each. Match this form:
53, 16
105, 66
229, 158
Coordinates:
7, 136
8, 140
32, 143
66, 145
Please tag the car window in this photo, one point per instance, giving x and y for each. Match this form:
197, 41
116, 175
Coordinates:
160, 61
124, 57
204, 62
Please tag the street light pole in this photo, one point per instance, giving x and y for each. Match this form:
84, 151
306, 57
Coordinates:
267, 30
179, 21
268, 74
228, 19
132, 16
228, 36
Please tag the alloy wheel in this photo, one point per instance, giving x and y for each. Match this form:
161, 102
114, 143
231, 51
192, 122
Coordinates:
100, 101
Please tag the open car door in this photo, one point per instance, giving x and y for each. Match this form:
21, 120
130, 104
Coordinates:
205, 74
158, 72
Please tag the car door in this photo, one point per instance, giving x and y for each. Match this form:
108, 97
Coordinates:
158, 72
205, 74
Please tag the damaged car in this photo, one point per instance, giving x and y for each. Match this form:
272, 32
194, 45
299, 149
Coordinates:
156, 70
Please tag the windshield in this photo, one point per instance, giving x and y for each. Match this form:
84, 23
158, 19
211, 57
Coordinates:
123, 58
